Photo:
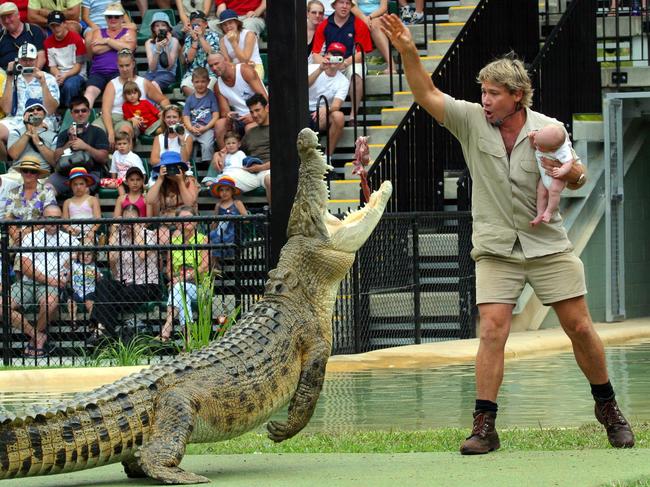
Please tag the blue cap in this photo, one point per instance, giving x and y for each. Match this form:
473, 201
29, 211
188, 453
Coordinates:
227, 15
160, 17
34, 102
170, 158
249, 161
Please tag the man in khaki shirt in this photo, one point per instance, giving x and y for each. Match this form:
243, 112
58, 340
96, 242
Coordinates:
507, 250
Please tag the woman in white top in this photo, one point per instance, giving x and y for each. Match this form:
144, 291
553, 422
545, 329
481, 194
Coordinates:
112, 99
170, 139
239, 45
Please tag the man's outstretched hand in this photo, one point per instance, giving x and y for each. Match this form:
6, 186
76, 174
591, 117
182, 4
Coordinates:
396, 31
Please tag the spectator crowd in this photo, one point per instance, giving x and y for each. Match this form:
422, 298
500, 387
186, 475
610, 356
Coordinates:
73, 107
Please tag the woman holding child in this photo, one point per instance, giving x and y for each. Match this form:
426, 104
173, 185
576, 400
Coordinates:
113, 97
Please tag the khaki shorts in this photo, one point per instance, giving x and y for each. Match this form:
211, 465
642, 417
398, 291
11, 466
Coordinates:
554, 277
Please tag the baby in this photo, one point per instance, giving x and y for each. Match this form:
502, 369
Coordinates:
550, 142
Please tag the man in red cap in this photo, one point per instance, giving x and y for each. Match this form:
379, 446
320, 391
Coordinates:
345, 28
326, 79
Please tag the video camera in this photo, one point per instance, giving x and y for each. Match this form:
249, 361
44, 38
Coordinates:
162, 35
177, 129
336, 59
20, 69
34, 120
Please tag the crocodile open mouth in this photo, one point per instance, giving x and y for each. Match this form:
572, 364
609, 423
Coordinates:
352, 231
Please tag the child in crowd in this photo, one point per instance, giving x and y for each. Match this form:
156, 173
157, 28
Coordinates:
134, 181
201, 113
141, 113
81, 206
122, 160
550, 142
234, 158
83, 276
226, 189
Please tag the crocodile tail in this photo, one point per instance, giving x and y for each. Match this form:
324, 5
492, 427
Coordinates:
74, 437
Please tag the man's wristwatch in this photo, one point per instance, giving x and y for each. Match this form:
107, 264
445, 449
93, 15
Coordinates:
40, 143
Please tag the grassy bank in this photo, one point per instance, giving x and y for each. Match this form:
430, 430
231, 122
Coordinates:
589, 436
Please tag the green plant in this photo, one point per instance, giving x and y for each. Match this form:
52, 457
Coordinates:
136, 351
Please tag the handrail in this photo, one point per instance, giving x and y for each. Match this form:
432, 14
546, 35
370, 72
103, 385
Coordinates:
363, 88
327, 123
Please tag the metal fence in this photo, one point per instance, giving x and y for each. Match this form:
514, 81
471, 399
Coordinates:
412, 282
135, 277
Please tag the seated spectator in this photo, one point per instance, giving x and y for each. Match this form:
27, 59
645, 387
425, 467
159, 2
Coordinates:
134, 195
239, 45
28, 200
201, 112
34, 138
135, 277
315, 15
198, 44
186, 8
22, 8
225, 189
143, 5
122, 160
369, 12
162, 52
92, 15
113, 98
103, 47
343, 27
184, 270
32, 84
236, 84
81, 205
82, 278
6, 185
38, 11
233, 159
326, 80
17, 32
66, 57
256, 144
81, 137
251, 12
173, 136
409, 14
172, 188
140, 112
44, 275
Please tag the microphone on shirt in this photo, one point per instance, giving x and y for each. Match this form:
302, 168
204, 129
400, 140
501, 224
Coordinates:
499, 122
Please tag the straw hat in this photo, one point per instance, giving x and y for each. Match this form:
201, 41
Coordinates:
33, 163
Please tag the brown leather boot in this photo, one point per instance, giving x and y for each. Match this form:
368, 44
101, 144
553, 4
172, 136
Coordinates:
484, 437
619, 432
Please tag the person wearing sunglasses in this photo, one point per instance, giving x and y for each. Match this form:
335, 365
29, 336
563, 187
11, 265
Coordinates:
28, 200
24, 83
81, 136
16, 32
35, 138
103, 47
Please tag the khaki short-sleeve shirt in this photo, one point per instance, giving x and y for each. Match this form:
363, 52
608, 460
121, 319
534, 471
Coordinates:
504, 190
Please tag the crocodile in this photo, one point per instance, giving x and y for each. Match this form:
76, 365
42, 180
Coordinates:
274, 355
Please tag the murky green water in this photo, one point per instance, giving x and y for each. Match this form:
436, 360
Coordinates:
548, 391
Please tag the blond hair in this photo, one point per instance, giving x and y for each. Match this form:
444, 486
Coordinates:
510, 72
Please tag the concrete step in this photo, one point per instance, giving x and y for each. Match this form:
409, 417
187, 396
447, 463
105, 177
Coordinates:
393, 305
393, 116
379, 134
467, 3
345, 190
460, 14
590, 130
348, 171
439, 47
627, 26
402, 99
637, 77
447, 30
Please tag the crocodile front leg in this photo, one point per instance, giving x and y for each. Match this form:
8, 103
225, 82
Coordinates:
175, 413
303, 402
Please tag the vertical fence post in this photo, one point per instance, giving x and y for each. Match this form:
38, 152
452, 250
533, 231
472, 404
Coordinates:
356, 318
6, 295
417, 312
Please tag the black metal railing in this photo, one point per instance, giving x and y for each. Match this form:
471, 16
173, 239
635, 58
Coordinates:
420, 151
565, 73
415, 265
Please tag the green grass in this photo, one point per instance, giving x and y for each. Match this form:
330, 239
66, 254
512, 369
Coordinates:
590, 436
644, 482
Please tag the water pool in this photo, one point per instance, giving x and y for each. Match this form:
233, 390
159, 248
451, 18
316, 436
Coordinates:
545, 391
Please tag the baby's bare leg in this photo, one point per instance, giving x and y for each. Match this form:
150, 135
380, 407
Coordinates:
557, 185
542, 201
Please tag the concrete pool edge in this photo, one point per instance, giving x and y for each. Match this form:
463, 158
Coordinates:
520, 345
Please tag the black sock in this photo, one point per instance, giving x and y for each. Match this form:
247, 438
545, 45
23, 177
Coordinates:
602, 392
484, 405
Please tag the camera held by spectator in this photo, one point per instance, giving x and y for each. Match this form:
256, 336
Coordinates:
177, 129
